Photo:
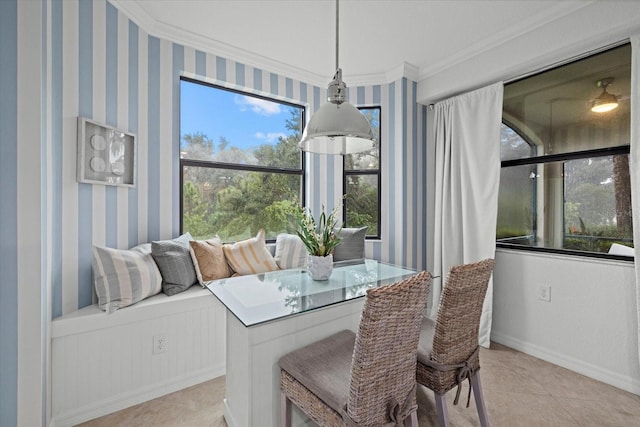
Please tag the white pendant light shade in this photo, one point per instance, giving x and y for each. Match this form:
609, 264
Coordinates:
337, 129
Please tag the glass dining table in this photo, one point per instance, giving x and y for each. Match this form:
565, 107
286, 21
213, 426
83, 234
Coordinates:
271, 314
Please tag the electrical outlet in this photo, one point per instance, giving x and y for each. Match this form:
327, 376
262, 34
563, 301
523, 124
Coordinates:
544, 293
159, 344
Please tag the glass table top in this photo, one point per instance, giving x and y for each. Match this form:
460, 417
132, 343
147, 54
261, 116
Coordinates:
259, 298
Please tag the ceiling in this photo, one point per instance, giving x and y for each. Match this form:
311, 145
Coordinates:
377, 37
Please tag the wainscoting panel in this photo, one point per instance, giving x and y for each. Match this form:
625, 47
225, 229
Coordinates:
103, 363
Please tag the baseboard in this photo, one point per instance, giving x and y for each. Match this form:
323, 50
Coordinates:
228, 418
597, 373
134, 397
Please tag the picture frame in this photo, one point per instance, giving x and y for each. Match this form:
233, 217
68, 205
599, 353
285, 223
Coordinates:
106, 155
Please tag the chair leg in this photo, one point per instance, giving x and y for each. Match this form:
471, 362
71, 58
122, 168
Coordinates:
441, 409
412, 421
285, 410
478, 396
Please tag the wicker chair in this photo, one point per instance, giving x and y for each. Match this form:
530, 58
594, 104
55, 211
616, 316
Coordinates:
448, 352
365, 379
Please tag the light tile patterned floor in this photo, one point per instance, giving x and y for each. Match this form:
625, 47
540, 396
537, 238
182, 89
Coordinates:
520, 390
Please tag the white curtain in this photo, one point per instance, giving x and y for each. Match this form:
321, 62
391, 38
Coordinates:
467, 138
634, 164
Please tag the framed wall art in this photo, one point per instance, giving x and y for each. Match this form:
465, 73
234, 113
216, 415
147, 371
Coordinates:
106, 155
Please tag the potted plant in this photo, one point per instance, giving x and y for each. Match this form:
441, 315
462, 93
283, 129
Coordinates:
320, 239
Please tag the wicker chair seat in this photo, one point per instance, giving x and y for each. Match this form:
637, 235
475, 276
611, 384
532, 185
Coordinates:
322, 368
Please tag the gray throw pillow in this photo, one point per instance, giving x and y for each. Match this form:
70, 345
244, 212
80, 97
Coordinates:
174, 261
351, 245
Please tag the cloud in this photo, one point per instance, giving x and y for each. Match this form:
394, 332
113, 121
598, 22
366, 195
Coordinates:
270, 136
257, 105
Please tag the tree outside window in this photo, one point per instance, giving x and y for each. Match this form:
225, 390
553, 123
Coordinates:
241, 168
362, 182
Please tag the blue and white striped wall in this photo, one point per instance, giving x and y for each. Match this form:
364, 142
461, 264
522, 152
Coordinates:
24, 314
87, 58
110, 70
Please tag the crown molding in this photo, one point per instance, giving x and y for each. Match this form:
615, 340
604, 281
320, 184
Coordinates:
524, 55
555, 11
206, 44
169, 32
137, 14
404, 70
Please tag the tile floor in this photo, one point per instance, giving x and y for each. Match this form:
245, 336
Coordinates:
519, 390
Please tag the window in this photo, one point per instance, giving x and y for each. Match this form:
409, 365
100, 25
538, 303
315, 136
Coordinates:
362, 182
241, 168
564, 184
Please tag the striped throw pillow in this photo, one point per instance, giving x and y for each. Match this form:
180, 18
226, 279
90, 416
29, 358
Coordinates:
124, 277
290, 251
250, 256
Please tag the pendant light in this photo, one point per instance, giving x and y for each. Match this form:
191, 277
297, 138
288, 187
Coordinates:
606, 101
337, 127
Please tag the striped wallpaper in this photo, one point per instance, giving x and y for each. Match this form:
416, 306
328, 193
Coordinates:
99, 64
108, 69
24, 288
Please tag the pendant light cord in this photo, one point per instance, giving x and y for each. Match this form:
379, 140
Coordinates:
337, 31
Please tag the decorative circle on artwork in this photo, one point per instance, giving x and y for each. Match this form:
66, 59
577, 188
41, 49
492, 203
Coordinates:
97, 164
117, 168
98, 142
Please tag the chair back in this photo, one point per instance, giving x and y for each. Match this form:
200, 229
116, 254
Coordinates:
456, 331
382, 385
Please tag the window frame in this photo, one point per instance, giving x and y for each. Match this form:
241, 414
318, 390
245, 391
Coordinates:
359, 172
572, 155
562, 157
237, 166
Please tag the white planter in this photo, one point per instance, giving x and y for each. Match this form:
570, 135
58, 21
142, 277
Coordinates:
320, 267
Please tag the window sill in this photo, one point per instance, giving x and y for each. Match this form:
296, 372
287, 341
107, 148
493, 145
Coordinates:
564, 252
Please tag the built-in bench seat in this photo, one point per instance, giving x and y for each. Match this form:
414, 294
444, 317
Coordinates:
92, 318
102, 363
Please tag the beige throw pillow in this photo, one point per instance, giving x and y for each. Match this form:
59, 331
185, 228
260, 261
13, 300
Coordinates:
250, 256
209, 260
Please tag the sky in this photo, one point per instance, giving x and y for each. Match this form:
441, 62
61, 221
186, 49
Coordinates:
245, 121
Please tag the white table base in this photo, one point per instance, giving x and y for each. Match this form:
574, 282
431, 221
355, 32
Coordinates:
253, 375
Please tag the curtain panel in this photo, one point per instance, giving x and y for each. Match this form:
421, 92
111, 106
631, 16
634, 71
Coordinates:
467, 138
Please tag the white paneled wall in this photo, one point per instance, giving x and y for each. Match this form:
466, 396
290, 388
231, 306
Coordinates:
103, 363
589, 324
